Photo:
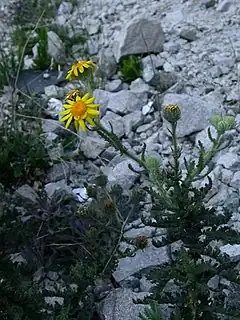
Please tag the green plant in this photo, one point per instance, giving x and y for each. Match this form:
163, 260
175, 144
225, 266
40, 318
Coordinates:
8, 67
23, 157
43, 60
152, 312
131, 68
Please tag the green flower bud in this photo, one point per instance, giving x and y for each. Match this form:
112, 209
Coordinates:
171, 113
229, 122
223, 124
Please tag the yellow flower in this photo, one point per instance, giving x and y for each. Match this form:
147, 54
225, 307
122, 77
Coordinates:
72, 94
80, 110
79, 67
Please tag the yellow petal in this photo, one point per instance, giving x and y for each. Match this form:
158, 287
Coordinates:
66, 117
82, 125
94, 105
81, 69
85, 115
75, 71
69, 75
85, 97
68, 122
76, 124
89, 101
93, 112
63, 113
90, 121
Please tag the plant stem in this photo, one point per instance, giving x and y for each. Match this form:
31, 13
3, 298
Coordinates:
175, 151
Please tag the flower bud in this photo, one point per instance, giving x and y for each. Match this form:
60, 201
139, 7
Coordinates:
171, 113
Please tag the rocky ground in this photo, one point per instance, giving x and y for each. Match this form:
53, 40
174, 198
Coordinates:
195, 63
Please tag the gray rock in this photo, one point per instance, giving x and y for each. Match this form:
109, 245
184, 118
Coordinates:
92, 146
203, 137
226, 176
171, 47
132, 121
141, 35
144, 127
209, 3
150, 65
232, 250
188, 34
53, 301
63, 12
116, 122
132, 283
147, 108
115, 85
56, 48
119, 305
146, 231
195, 112
143, 259
125, 101
102, 97
53, 91
139, 85
57, 189
235, 182
229, 160
27, 194
213, 283
54, 106
122, 175
59, 171
81, 194
162, 80
146, 285
224, 5
107, 65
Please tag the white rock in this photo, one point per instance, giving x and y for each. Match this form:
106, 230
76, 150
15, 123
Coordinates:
232, 250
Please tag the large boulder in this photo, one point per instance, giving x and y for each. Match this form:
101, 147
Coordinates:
141, 35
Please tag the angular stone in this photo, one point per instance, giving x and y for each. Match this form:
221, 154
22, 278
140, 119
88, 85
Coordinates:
229, 160
26, 193
195, 112
92, 147
143, 259
56, 48
125, 101
132, 121
141, 35
119, 305
116, 122
232, 250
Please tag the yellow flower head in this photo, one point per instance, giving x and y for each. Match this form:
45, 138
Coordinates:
72, 95
79, 68
80, 110
171, 113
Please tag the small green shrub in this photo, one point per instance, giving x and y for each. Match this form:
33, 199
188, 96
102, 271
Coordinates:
43, 60
23, 157
8, 67
131, 68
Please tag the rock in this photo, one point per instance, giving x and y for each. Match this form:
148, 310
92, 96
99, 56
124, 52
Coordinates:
195, 112
162, 80
132, 283
139, 85
102, 97
116, 122
224, 5
146, 231
56, 48
235, 182
92, 146
141, 35
58, 189
213, 283
59, 171
171, 47
52, 301
232, 250
115, 85
107, 65
188, 34
226, 176
209, 3
146, 285
119, 305
143, 259
81, 194
125, 101
132, 121
229, 160
27, 194
63, 12
53, 91
203, 137
147, 108
122, 175
54, 106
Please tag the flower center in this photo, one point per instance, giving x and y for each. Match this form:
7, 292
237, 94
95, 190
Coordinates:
78, 109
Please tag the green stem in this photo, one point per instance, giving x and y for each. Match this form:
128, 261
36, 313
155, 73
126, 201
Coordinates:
116, 143
175, 151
